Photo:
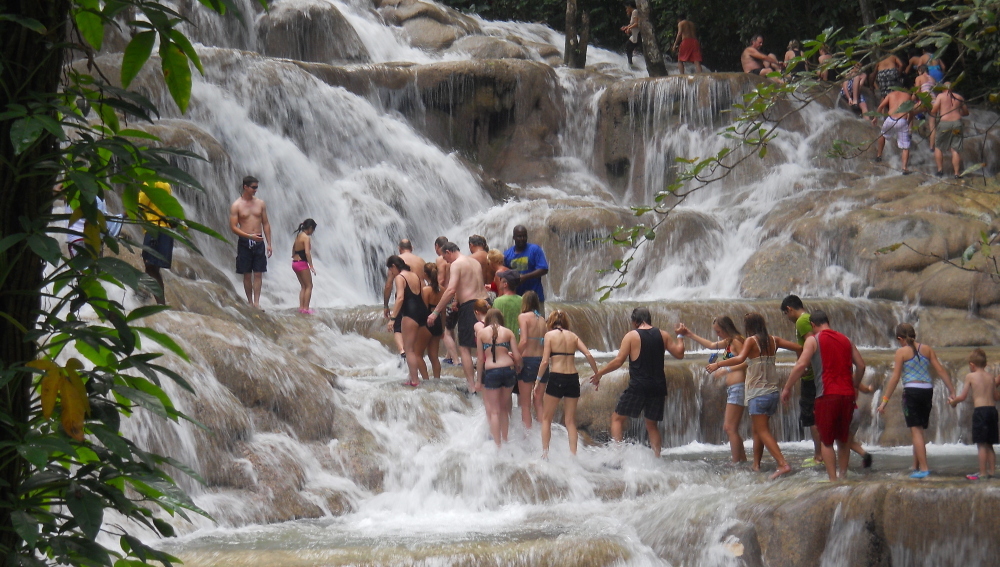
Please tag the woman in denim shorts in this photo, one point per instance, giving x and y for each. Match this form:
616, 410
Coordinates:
761, 386
498, 360
732, 340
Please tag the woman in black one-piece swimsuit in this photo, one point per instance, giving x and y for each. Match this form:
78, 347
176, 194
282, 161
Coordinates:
411, 306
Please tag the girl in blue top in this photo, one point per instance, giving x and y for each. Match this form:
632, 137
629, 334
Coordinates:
913, 365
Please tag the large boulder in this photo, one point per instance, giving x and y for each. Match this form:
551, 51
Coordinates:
488, 47
313, 32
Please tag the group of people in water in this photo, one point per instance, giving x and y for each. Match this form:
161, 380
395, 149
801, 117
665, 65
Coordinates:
908, 93
521, 351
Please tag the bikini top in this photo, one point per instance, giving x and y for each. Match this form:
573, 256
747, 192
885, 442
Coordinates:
541, 339
505, 344
560, 329
301, 254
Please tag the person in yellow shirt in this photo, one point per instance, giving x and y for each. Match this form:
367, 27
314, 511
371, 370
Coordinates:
157, 247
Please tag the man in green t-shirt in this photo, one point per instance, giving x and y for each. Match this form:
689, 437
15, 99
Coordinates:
508, 302
792, 308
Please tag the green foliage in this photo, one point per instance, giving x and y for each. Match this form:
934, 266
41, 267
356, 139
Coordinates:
72, 461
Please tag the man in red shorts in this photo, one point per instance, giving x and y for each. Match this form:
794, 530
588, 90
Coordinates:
831, 355
690, 48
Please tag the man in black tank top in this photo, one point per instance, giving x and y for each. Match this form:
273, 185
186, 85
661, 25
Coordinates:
644, 348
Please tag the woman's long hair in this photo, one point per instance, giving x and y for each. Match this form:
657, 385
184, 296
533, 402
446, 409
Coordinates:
529, 302
494, 318
757, 328
729, 328
305, 225
431, 271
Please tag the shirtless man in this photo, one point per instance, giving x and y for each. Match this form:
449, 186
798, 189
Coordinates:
897, 124
450, 316
480, 252
416, 264
757, 63
824, 56
687, 40
248, 220
948, 110
465, 282
888, 73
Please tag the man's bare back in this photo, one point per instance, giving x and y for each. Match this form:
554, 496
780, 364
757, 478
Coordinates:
466, 278
949, 107
889, 62
893, 101
481, 257
416, 263
685, 30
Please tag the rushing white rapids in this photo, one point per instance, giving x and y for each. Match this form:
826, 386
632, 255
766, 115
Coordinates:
397, 477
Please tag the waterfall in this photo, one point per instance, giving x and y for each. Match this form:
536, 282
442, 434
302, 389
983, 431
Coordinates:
385, 120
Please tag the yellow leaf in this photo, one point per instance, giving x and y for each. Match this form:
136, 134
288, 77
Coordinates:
49, 385
76, 383
92, 235
73, 409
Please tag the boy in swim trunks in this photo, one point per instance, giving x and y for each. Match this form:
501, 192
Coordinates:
985, 432
948, 110
897, 124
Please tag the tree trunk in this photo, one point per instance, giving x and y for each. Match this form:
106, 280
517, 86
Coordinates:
581, 52
31, 66
650, 47
867, 14
571, 38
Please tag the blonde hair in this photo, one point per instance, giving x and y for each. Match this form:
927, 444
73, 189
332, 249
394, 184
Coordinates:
495, 257
481, 306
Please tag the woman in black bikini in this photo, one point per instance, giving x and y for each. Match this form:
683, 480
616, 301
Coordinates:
432, 295
410, 304
302, 263
496, 371
560, 349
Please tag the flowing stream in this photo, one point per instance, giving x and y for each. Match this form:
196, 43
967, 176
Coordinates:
317, 456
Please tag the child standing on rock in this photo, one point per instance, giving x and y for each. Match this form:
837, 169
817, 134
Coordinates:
985, 431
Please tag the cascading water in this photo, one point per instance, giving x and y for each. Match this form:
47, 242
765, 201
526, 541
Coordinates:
379, 139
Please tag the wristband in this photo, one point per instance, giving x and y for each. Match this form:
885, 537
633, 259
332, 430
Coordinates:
885, 399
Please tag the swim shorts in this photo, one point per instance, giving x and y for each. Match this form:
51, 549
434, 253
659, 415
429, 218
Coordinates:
437, 329
807, 402
735, 394
763, 405
690, 50
631, 404
984, 425
466, 324
450, 317
898, 128
529, 372
833, 418
300, 265
162, 245
250, 256
888, 78
563, 385
496, 378
917, 403
949, 136
761, 72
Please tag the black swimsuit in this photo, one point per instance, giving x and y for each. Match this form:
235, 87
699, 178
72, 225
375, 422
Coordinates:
301, 254
413, 306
